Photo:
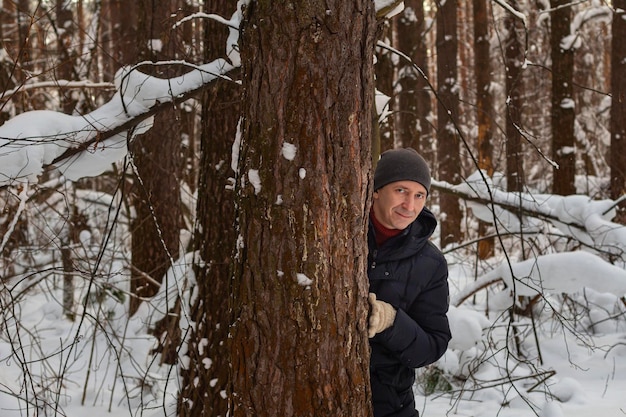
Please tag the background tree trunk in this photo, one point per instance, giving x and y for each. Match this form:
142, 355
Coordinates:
65, 55
514, 59
157, 156
484, 110
299, 344
118, 30
208, 374
385, 70
618, 104
413, 124
6, 66
17, 24
563, 110
448, 149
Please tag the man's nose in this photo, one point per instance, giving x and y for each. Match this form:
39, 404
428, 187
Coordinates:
409, 203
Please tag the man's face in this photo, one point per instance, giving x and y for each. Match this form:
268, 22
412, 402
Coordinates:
397, 205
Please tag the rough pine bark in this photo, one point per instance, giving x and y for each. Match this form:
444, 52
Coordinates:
299, 343
618, 104
563, 110
448, 148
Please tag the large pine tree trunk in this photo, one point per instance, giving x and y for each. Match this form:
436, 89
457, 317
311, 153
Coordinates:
299, 343
448, 148
563, 145
618, 105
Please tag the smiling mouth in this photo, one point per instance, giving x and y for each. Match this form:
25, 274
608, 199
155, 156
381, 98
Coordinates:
406, 215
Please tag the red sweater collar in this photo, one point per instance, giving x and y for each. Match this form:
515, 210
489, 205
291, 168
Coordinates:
382, 233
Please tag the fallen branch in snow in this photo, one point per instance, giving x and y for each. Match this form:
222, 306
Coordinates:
544, 275
478, 285
614, 205
539, 376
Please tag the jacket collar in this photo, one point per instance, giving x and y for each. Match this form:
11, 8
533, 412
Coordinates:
409, 241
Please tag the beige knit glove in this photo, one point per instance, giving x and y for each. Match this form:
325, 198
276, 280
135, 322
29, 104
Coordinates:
382, 315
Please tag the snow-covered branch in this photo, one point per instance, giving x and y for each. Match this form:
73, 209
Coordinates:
127, 128
590, 14
506, 6
578, 216
87, 145
388, 8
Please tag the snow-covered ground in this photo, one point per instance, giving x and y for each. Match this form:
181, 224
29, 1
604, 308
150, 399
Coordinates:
586, 383
589, 369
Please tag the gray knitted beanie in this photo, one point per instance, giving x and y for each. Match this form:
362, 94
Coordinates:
403, 164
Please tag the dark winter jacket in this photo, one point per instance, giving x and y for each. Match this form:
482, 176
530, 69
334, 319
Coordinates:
411, 274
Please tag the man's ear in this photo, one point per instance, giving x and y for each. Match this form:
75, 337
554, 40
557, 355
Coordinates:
375, 194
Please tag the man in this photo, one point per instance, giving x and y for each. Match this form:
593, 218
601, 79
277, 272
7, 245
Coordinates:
408, 326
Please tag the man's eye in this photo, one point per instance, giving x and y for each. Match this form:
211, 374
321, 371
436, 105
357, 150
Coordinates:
420, 196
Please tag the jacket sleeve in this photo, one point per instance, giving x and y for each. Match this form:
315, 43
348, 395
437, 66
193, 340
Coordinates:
420, 335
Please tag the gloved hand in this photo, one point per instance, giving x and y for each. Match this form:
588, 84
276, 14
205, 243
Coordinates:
382, 315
